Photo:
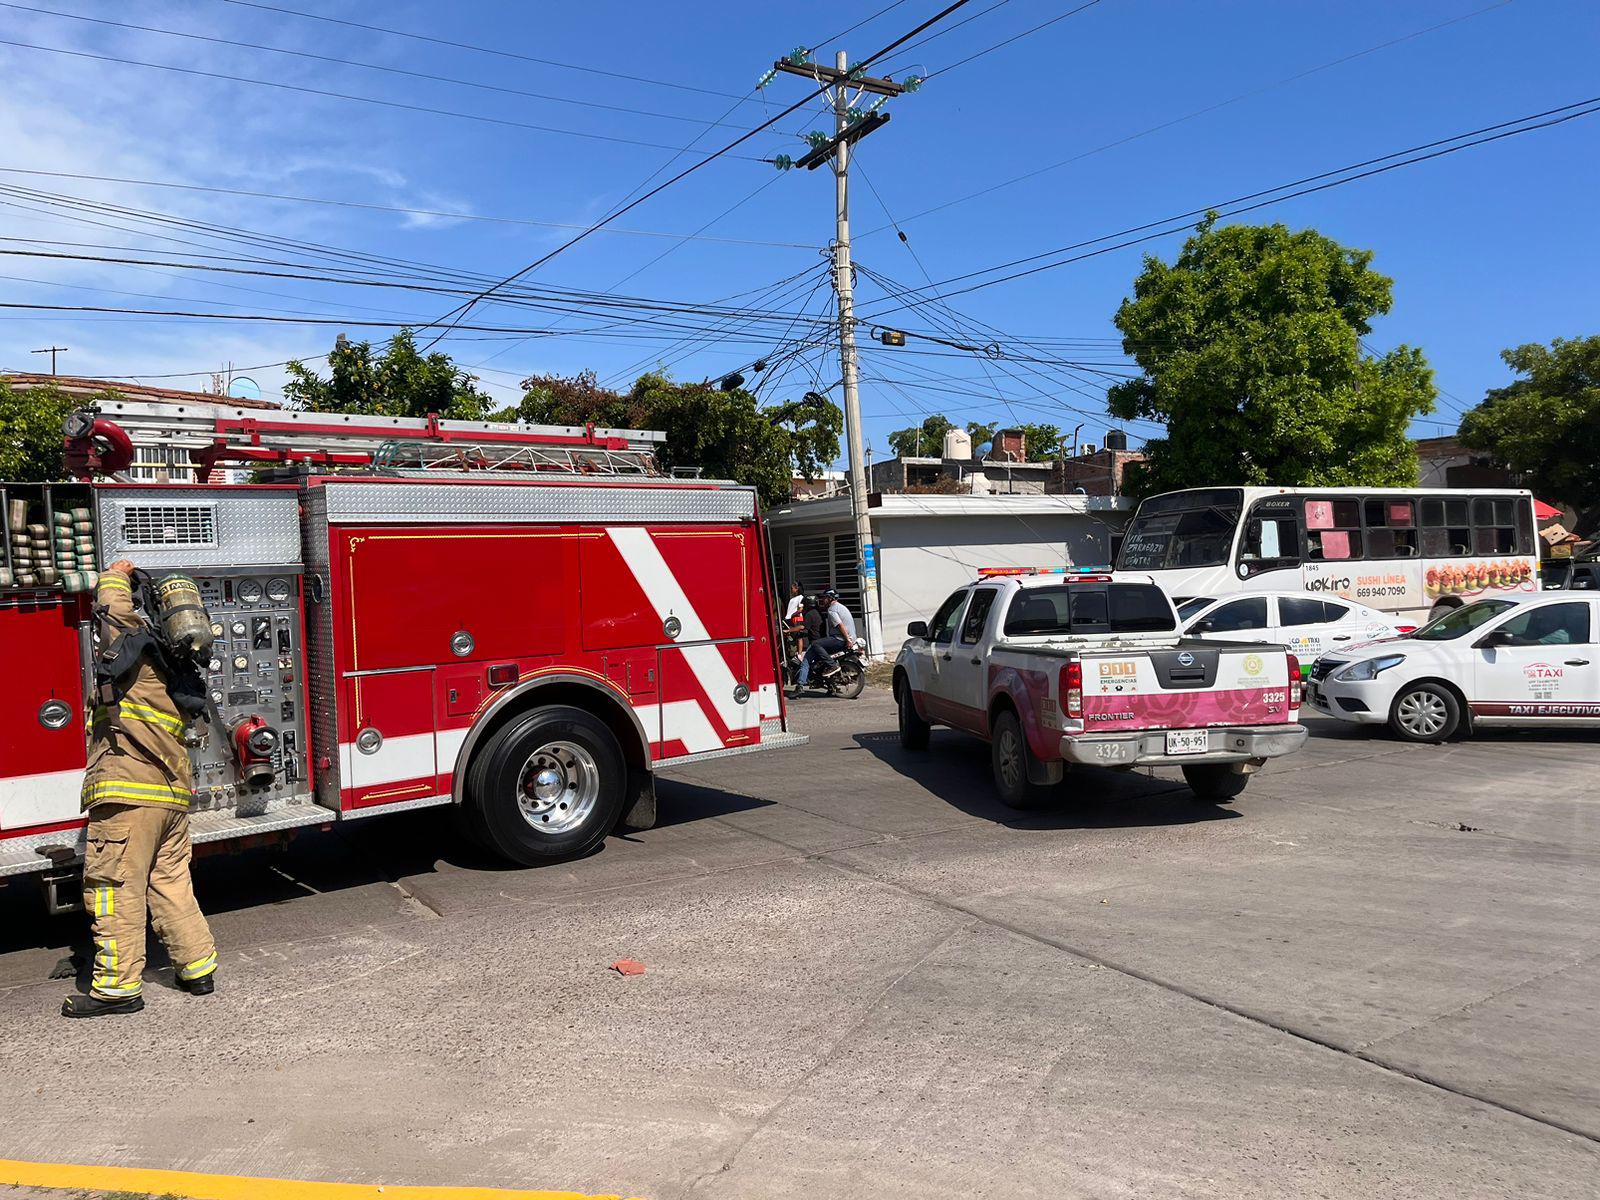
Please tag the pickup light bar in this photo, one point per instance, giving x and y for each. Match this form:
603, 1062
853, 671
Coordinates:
1077, 574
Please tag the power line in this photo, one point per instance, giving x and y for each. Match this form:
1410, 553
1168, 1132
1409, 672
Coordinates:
327, 94
864, 21
1016, 37
387, 208
1505, 132
352, 62
462, 310
491, 50
1199, 112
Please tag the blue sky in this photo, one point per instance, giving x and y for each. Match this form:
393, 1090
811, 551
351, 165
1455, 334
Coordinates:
1488, 248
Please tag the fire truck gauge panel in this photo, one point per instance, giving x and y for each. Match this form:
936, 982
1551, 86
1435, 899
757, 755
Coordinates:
250, 591
278, 590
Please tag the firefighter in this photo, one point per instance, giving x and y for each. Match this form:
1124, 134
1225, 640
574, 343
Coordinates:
136, 790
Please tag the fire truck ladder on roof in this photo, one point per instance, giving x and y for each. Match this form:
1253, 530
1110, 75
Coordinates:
217, 433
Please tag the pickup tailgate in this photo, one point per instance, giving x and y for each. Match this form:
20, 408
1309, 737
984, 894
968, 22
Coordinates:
1190, 686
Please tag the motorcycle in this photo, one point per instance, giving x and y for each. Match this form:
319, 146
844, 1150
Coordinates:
848, 682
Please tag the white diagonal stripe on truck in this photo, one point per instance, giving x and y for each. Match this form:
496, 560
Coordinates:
643, 558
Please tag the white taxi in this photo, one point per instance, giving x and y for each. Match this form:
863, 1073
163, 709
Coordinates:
1306, 625
1529, 661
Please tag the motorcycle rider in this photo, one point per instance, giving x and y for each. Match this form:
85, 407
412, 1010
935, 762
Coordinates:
838, 633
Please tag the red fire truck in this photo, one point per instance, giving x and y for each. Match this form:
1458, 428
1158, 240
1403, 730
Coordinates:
522, 622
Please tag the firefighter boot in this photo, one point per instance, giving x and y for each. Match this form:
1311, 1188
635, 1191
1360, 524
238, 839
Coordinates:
203, 986
94, 1006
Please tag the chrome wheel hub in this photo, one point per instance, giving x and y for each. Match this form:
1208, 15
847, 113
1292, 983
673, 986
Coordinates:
560, 783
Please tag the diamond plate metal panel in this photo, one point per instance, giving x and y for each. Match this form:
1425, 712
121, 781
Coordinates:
248, 527
19, 856
322, 679
373, 503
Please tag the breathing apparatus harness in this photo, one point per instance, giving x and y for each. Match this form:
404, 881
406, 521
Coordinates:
122, 650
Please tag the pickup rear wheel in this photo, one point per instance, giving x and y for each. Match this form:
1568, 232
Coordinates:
548, 785
913, 729
1008, 755
1214, 783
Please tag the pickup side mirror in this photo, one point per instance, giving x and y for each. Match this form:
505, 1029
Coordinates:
1492, 639
1201, 626
917, 629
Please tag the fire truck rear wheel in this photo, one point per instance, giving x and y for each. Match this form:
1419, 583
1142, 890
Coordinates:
549, 785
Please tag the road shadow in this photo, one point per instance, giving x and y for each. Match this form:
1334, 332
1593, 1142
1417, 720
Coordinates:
955, 768
357, 854
679, 802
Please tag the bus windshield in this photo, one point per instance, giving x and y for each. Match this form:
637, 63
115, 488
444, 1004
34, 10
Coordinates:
1200, 534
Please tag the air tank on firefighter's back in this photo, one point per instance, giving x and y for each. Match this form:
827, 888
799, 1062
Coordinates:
183, 615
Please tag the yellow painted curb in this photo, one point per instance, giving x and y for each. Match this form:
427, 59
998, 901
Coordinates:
195, 1186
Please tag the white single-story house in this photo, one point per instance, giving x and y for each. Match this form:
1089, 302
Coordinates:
929, 545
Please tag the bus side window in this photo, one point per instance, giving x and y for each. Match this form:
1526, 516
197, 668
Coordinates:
1391, 528
1333, 530
1271, 540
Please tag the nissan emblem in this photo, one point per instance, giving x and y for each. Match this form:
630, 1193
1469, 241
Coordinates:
1186, 659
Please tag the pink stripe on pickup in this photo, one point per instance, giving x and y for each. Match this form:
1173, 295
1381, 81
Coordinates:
1186, 710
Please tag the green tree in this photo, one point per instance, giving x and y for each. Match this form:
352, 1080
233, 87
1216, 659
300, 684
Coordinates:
395, 381
727, 434
30, 430
922, 441
1547, 423
1250, 347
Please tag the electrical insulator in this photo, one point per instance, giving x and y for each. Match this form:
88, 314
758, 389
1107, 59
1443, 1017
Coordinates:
817, 138
912, 83
783, 162
767, 78
799, 56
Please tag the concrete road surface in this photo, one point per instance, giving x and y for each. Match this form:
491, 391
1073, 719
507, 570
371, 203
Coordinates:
1375, 974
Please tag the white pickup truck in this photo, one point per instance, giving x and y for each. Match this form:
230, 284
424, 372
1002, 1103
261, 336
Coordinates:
1054, 668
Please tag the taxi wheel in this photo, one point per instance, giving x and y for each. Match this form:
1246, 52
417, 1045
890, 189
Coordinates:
1425, 712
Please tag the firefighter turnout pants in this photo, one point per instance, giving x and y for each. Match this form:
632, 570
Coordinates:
137, 862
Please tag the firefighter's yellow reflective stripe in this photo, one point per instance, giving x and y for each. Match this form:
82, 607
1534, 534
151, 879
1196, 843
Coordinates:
135, 711
116, 991
199, 968
105, 902
132, 785
105, 972
116, 581
143, 793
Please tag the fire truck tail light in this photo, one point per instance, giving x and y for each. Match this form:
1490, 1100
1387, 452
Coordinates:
1294, 682
1072, 690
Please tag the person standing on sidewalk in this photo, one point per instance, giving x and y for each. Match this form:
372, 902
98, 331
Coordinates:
137, 789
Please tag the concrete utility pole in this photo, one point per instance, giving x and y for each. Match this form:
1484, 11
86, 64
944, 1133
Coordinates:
850, 125
844, 284
52, 351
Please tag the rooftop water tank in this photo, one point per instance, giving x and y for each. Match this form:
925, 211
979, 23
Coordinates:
958, 444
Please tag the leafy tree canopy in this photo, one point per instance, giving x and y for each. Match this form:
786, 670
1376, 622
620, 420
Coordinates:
726, 434
1250, 346
395, 381
30, 430
1547, 423
1043, 442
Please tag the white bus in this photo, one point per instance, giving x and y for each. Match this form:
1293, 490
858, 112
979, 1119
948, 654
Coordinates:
1408, 551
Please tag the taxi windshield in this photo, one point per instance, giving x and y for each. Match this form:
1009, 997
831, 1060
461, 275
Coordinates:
1459, 621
